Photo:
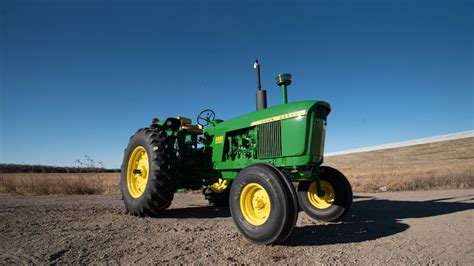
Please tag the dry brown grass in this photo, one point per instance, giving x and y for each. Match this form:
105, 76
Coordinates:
362, 179
366, 172
421, 177
59, 183
436, 165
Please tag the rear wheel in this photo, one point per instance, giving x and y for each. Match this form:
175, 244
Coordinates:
335, 201
146, 179
263, 205
218, 193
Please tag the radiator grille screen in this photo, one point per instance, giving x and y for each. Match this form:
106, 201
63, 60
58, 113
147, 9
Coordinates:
269, 140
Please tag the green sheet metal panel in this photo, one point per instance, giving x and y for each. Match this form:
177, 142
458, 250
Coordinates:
294, 135
297, 147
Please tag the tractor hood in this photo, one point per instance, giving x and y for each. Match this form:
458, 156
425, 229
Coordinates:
275, 113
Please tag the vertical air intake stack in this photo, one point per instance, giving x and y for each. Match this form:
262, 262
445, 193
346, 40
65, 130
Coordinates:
261, 94
284, 80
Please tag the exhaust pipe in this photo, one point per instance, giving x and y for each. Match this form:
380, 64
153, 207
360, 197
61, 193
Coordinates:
261, 94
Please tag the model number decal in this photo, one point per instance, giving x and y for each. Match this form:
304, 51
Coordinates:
279, 117
219, 139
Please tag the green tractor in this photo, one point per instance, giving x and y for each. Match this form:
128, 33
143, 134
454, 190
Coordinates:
264, 165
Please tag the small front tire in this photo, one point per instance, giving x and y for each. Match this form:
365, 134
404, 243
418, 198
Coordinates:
335, 202
262, 206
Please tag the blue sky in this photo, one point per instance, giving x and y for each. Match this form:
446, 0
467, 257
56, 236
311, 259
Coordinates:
79, 77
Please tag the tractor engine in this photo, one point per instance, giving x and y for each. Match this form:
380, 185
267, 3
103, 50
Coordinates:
240, 144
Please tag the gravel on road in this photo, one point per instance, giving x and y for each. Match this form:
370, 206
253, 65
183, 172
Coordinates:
427, 227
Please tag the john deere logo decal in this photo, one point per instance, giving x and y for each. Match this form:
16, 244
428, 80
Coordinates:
279, 117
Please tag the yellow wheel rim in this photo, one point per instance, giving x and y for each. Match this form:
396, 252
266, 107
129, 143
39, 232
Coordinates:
255, 204
220, 185
137, 172
325, 201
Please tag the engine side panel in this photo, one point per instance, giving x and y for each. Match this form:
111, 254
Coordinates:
287, 136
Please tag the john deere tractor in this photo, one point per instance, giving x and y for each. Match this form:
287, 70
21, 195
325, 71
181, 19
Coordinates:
264, 165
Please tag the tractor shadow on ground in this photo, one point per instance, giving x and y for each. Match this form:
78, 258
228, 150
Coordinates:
201, 212
372, 218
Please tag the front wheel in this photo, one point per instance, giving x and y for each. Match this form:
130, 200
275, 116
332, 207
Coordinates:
263, 204
335, 201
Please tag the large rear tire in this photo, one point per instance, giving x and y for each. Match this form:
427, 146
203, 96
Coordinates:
335, 202
146, 179
263, 204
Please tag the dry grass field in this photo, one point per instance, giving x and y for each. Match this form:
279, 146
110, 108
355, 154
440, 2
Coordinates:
439, 165
59, 183
393, 178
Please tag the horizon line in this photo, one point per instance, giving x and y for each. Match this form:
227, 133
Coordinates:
406, 143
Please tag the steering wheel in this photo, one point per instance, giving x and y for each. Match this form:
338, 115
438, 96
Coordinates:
205, 117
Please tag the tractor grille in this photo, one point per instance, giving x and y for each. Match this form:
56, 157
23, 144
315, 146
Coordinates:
269, 140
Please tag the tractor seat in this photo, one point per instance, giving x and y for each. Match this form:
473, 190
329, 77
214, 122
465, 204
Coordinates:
186, 124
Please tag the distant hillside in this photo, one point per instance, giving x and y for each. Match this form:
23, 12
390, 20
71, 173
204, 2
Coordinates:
26, 168
439, 162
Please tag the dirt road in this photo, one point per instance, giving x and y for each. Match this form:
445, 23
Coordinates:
402, 227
